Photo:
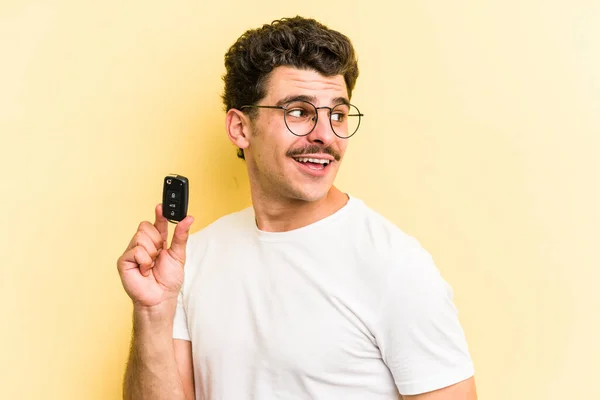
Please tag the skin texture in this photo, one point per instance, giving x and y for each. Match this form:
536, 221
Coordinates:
152, 273
285, 197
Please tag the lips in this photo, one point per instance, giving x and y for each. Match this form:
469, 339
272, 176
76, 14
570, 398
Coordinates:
314, 161
313, 166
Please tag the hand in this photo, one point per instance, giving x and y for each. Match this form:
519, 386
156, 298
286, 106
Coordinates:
150, 272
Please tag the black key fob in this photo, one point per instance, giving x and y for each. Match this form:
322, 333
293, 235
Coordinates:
175, 198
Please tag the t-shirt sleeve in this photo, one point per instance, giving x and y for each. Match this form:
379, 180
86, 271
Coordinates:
180, 325
420, 336
195, 248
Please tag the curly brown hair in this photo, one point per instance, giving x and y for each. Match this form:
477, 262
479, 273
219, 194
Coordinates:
298, 42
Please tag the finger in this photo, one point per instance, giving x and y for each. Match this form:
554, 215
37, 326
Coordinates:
161, 223
134, 258
146, 228
145, 268
143, 259
180, 237
143, 238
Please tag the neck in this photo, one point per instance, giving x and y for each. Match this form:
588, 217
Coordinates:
280, 215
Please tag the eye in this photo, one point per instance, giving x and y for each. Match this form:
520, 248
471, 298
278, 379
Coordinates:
297, 113
338, 116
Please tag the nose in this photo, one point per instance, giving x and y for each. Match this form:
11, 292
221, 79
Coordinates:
322, 133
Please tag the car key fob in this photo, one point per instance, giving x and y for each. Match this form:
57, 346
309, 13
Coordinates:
175, 198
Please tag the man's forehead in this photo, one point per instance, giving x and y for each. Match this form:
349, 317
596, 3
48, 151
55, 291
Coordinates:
286, 81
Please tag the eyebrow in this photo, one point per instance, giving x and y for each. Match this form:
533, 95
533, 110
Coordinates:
341, 100
295, 97
310, 99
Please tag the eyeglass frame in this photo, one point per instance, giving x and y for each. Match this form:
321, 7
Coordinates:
359, 115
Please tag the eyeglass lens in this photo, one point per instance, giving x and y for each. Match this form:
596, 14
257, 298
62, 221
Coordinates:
300, 118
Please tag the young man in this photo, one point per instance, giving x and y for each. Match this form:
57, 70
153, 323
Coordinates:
308, 294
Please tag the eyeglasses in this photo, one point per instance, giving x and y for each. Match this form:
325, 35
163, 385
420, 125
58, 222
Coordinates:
301, 117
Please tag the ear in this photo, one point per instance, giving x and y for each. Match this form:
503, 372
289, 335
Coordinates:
238, 128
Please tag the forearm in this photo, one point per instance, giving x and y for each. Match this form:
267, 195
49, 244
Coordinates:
152, 372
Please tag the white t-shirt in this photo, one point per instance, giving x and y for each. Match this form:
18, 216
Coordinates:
349, 307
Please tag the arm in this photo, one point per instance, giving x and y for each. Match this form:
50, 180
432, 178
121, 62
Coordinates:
419, 334
464, 390
183, 356
159, 367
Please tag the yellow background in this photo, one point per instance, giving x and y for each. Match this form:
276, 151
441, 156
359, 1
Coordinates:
481, 138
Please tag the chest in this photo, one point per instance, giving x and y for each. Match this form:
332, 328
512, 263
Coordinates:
283, 312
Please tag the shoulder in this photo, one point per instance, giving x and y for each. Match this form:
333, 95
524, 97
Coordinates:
223, 229
225, 225
402, 263
379, 234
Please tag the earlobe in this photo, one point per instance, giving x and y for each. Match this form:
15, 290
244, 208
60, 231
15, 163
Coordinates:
237, 125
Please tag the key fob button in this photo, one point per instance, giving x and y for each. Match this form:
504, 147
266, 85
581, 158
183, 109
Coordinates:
174, 214
172, 205
173, 195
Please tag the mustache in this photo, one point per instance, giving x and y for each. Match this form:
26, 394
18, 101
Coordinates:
314, 149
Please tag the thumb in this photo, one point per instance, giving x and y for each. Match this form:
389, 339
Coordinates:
180, 238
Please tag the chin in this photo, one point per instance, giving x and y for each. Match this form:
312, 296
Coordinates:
311, 194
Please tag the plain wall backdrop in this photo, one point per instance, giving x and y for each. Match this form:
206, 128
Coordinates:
480, 138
